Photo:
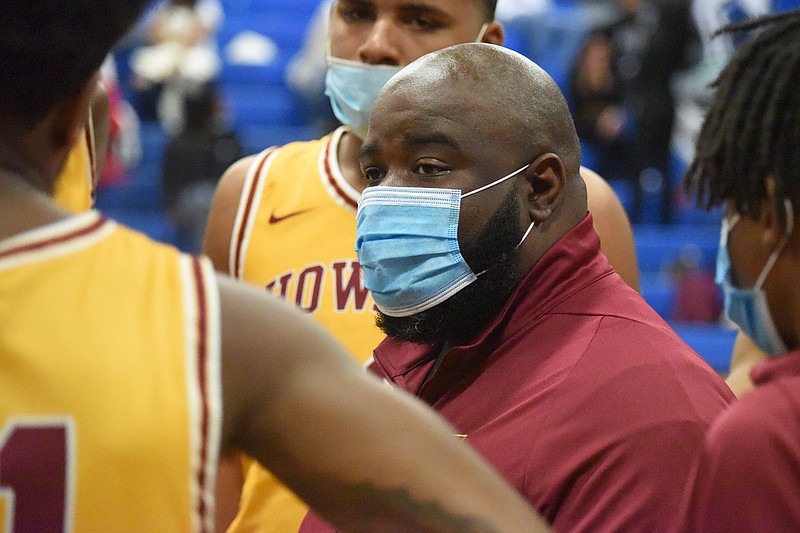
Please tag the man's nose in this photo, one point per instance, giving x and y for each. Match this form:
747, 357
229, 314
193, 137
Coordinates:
382, 45
394, 178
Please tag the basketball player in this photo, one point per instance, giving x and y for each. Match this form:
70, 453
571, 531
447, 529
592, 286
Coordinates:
125, 367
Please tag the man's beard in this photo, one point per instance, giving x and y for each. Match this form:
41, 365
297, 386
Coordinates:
462, 316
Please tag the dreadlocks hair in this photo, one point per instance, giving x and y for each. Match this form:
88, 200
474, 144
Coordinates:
752, 130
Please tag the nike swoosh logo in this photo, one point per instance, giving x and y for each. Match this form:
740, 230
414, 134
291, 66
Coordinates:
274, 219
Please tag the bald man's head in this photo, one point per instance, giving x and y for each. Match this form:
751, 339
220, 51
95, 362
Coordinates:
503, 92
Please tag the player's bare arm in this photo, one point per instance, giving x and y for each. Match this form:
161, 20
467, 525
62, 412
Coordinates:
308, 390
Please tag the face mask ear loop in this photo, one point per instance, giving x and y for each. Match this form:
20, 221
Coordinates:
507, 254
787, 206
482, 33
501, 180
527, 231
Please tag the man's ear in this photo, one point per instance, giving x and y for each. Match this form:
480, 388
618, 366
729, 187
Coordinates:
546, 177
494, 34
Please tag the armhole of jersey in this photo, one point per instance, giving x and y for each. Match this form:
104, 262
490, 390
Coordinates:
330, 172
246, 214
204, 385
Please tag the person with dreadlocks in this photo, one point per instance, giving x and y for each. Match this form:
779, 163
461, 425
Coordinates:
747, 158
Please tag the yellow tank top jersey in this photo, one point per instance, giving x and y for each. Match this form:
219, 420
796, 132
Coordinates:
295, 235
74, 187
110, 403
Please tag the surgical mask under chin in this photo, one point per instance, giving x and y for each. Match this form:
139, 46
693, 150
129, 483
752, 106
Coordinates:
407, 245
748, 308
353, 88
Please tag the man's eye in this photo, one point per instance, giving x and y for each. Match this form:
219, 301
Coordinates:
373, 175
353, 14
423, 24
430, 169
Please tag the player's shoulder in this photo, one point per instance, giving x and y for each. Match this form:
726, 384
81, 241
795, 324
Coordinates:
597, 188
233, 179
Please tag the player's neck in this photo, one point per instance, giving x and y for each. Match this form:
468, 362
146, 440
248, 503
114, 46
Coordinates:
349, 145
23, 206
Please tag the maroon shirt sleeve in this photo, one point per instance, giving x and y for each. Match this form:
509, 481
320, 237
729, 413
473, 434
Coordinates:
615, 454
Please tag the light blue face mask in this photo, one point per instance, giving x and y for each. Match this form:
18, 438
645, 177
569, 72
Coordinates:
748, 308
353, 87
407, 245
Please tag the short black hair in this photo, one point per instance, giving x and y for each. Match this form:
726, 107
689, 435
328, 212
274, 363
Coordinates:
50, 49
752, 129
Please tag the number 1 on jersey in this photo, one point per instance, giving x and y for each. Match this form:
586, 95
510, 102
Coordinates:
36, 475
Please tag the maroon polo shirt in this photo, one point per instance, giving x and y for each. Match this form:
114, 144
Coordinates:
578, 393
748, 478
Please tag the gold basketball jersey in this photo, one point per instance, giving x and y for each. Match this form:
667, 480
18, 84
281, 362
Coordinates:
295, 235
110, 402
74, 187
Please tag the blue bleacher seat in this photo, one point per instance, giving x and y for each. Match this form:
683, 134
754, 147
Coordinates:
269, 6
263, 105
713, 342
152, 223
285, 27
551, 38
625, 191
153, 139
659, 246
658, 290
130, 195
272, 74
255, 138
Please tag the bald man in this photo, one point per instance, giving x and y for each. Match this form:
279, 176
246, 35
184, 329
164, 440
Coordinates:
502, 312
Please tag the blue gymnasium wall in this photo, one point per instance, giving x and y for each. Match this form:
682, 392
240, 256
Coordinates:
265, 112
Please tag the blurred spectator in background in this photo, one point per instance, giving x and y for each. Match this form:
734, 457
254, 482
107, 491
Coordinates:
697, 296
123, 148
605, 126
193, 162
510, 9
691, 88
652, 41
180, 52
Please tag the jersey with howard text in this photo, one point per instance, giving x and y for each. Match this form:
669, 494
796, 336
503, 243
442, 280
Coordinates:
110, 404
295, 235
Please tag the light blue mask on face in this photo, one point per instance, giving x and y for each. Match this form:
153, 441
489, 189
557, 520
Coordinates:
748, 308
353, 87
407, 245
